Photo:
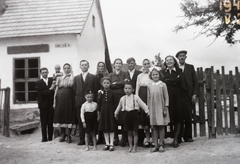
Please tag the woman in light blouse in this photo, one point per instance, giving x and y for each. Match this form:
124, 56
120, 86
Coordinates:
64, 104
143, 80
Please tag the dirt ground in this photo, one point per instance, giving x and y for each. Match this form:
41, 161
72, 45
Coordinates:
27, 149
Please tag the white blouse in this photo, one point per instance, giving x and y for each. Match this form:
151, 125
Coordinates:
143, 79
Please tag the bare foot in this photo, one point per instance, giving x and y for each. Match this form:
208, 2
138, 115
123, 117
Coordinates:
87, 149
130, 149
94, 148
134, 149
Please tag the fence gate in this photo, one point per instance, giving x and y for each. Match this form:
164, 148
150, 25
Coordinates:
217, 110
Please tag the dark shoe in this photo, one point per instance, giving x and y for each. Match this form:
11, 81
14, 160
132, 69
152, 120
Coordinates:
44, 140
115, 143
123, 144
62, 139
111, 148
106, 147
81, 143
155, 150
179, 140
188, 140
69, 139
175, 145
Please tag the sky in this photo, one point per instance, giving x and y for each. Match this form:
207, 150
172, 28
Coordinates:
144, 28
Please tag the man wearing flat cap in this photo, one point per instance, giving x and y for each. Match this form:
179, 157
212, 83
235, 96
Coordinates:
189, 91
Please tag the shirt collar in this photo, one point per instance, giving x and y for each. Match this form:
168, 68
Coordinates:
174, 69
182, 64
131, 71
156, 83
85, 73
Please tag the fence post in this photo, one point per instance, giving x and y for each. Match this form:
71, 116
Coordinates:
231, 104
224, 100
201, 102
6, 113
238, 96
218, 105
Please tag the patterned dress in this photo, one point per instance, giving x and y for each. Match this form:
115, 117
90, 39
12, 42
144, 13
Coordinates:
157, 100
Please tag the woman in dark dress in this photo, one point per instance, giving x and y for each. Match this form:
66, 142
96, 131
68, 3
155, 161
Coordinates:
64, 113
172, 77
118, 78
100, 73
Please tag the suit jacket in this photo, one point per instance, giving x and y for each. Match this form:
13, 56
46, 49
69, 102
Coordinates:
134, 78
79, 87
45, 96
190, 79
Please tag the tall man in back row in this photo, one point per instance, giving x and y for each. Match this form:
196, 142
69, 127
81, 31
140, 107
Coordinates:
189, 93
81, 83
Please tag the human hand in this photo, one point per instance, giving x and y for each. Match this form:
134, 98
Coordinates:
116, 116
54, 105
165, 111
114, 83
98, 116
84, 125
194, 98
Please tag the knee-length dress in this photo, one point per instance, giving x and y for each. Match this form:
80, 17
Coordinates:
173, 80
106, 108
157, 100
143, 81
64, 113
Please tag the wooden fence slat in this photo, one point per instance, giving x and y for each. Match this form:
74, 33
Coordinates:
194, 122
213, 130
201, 102
224, 100
218, 105
231, 104
238, 95
6, 112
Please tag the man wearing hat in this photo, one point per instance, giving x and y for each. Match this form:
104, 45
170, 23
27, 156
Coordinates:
189, 91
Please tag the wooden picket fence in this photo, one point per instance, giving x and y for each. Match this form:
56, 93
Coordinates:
4, 111
215, 113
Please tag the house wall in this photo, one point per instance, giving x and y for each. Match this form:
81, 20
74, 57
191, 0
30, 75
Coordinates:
91, 42
56, 55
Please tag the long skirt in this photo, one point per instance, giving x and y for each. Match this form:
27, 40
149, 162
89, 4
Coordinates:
144, 120
64, 114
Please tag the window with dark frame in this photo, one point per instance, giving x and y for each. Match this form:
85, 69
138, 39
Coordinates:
93, 21
26, 74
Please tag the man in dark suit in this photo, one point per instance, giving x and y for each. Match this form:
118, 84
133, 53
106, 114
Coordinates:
81, 83
189, 91
133, 74
45, 91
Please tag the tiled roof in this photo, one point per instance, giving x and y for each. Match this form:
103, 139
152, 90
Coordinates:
44, 17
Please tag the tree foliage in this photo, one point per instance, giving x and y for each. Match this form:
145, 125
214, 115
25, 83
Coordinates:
210, 18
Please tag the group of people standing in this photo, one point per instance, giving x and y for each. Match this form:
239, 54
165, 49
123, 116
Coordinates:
140, 101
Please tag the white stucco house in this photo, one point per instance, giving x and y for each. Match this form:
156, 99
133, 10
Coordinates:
43, 33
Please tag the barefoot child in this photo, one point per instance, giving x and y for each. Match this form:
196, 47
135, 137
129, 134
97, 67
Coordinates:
131, 103
89, 116
106, 99
158, 108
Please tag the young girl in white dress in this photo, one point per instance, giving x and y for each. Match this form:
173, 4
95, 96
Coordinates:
158, 108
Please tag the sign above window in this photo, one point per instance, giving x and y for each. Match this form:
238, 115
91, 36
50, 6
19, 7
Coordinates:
40, 48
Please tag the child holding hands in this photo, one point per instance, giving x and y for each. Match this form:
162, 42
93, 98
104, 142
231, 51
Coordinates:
90, 116
130, 104
158, 102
